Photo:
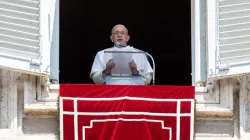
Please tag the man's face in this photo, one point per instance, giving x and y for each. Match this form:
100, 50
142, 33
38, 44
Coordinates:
120, 34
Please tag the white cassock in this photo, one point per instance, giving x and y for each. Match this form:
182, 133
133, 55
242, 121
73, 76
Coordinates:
101, 58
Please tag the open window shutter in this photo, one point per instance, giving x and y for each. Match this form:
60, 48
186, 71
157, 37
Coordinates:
232, 45
20, 38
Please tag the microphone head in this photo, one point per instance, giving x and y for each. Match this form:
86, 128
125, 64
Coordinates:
119, 44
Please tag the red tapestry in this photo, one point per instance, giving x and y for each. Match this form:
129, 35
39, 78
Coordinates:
121, 112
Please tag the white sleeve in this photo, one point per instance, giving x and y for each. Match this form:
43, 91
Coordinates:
97, 64
98, 77
147, 77
96, 70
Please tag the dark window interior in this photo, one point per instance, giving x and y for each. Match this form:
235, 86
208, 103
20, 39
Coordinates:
162, 28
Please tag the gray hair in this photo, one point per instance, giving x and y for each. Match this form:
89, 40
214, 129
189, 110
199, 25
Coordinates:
116, 26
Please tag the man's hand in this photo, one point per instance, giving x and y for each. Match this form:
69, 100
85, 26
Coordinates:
109, 65
133, 67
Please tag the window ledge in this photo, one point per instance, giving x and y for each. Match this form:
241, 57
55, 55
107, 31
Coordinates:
201, 89
41, 109
197, 89
54, 86
215, 111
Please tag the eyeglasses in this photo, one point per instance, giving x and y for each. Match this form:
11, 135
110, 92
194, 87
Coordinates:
121, 32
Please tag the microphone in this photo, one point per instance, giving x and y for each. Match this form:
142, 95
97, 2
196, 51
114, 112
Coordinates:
119, 44
146, 53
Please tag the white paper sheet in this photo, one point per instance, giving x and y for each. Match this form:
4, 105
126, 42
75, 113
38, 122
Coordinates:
122, 63
122, 60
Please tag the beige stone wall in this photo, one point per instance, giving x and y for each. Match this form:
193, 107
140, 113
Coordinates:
26, 109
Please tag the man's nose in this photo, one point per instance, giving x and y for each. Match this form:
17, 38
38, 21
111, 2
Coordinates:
119, 34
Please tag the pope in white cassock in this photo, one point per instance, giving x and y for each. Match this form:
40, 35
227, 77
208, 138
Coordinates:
138, 65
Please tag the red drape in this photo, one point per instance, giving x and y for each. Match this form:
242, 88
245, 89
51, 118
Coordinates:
121, 112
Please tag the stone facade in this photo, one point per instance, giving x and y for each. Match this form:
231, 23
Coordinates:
28, 111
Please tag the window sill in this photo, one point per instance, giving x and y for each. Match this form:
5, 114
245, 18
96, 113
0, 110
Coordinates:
200, 89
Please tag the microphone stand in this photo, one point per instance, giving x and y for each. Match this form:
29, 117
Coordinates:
152, 59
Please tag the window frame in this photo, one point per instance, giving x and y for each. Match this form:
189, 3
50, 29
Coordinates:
208, 92
204, 94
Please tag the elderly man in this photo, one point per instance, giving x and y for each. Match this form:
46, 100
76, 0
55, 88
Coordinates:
100, 69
